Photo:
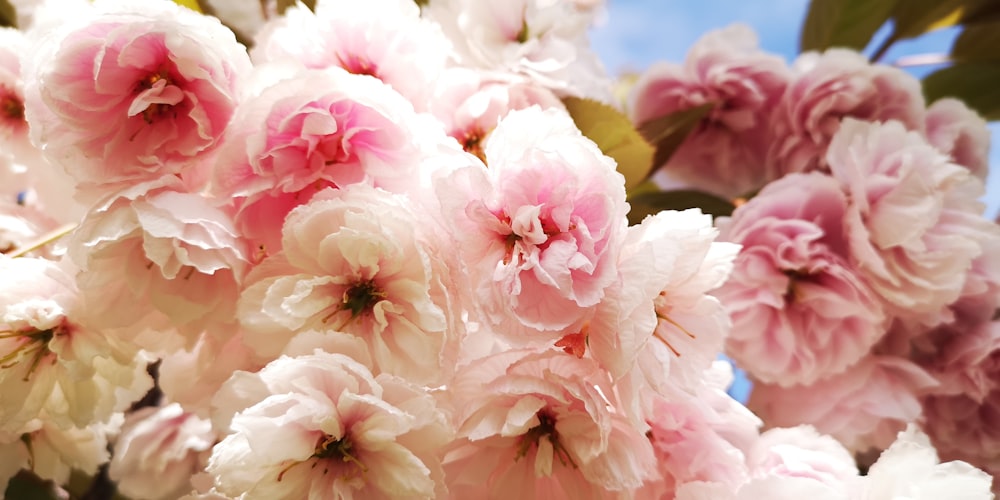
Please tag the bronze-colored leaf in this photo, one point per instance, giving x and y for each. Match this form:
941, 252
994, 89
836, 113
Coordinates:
977, 43
8, 14
973, 82
668, 132
648, 203
912, 18
843, 23
283, 5
614, 133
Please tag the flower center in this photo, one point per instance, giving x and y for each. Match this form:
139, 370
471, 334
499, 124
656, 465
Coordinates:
546, 429
11, 107
30, 345
158, 94
472, 142
361, 297
329, 447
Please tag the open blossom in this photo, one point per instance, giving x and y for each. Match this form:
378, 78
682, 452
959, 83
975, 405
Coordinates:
160, 80
157, 244
543, 40
910, 468
52, 452
386, 39
540, 229
13, 126
726, 153
470, 103
51, 359
829, 87
700, 435
311, 130
914, 225
800, 310
863, 407
960, 133
358, 261
539, 424
321, 426
158, 450
657, 327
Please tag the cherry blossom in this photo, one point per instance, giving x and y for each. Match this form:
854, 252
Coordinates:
321, 425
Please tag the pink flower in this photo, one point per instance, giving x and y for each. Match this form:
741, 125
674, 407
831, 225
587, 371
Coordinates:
540, 424
914, 225
829, 87
800, 311
726, 153
657, 325
863, 407
191, 375
161, 248
160, 79
310, 130
321, 426
470, 103
13, 126
358, 261
539, 230
960, 133
386, 39
963, 428
158, 451
689, 438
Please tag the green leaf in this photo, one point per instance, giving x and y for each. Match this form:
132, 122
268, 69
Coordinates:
648, 203
283, 5
974, 82
977, 43
843, 23
668, 132
191, 4
614, 133
8, 15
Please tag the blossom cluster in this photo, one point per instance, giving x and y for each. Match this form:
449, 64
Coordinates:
374, 257
865, 293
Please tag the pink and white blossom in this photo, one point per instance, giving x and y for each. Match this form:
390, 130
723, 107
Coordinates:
540, 424
863, 407
801, 311
386, 39
539, 231
914, 226
158, 450
829, 87
157, 245
358, 261
52, 359
960, 133
160, 79
543, 40
910, 468
291, 141
322, 425
726, 153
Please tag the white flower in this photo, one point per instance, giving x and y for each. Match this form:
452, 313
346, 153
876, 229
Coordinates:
910, 470
158, 451
321, 426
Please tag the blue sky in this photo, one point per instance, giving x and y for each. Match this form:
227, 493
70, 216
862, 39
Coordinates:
636, 33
